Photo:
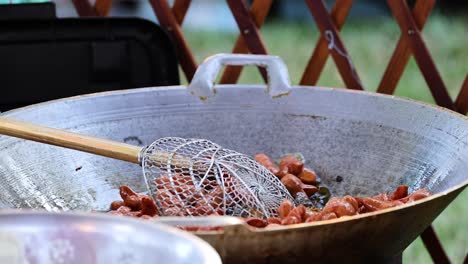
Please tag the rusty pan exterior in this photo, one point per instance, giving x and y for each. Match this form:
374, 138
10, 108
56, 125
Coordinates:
374, 142
373, 238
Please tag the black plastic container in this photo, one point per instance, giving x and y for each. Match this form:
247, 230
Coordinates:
46, 58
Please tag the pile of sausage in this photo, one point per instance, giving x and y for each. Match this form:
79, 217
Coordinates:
138, 205
292, 174
298, 180
338, 207
134, 204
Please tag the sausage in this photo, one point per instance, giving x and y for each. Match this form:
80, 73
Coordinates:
256, 222
292, 183
416, 195
329, 216
266, 162
284, 209
341, 206
171, 183
382, 197
372, 204
202, 209
135, 213
290, 165
133, 201
212, 204
215, 197
298, 212
313, 217
161, 181
274, 220
116, 205
309, 189
124, 210
362, 209
352, 201
167, 200
295, 185
308, 176
130, 198
400, 192
290, 220
148, 207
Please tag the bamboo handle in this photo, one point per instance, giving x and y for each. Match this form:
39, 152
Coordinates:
62, 138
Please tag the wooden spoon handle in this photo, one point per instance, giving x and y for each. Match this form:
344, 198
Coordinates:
62, 138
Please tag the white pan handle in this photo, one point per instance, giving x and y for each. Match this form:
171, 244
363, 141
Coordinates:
203, 82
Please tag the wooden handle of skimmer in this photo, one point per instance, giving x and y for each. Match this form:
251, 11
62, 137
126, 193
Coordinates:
62, 138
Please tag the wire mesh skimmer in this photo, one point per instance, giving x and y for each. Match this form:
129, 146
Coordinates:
186, 177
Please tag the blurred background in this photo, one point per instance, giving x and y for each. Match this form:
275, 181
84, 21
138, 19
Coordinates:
370, 35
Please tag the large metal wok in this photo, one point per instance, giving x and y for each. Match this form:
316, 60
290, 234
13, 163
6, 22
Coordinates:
374, 142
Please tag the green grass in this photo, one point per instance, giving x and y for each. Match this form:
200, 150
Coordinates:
370, 45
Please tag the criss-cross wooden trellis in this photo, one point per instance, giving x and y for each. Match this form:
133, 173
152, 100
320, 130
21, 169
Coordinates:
250, 18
